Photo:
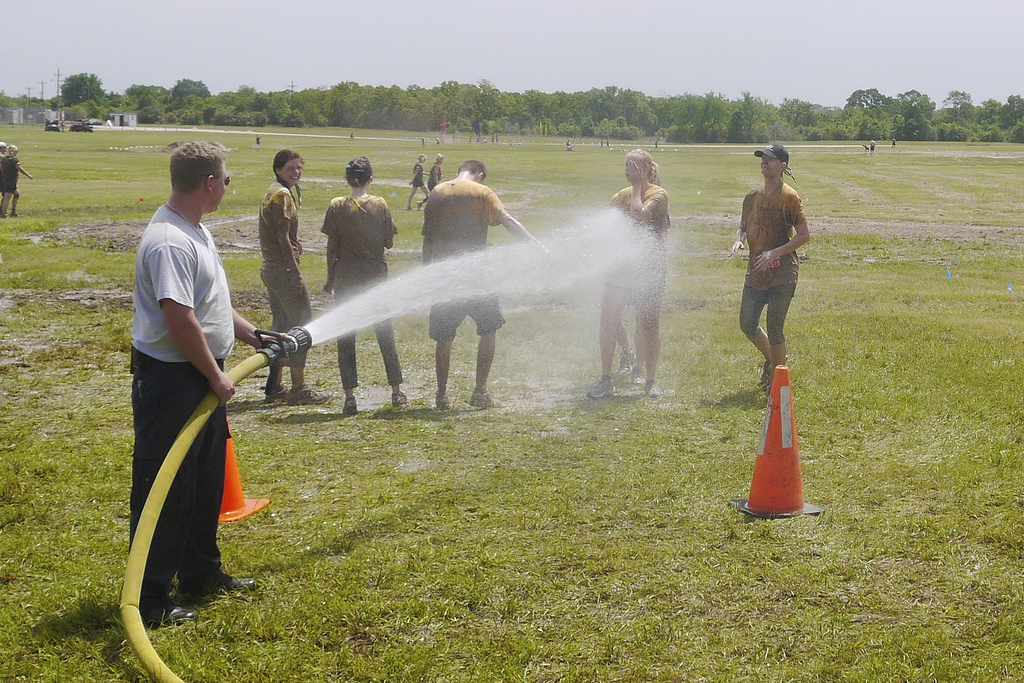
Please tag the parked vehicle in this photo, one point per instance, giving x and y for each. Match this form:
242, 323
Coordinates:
81, 127
52, 125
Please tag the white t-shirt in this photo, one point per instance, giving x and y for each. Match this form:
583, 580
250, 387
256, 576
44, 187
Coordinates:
178, 262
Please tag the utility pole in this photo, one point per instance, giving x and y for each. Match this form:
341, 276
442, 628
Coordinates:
41, 91
60, 114
291, 94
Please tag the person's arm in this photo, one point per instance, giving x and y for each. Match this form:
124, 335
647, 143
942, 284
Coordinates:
21, 169
187, 335
332, 247
245, 331
518, 230
766, 258
737, 246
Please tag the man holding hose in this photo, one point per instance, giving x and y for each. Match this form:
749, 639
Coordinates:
183, 328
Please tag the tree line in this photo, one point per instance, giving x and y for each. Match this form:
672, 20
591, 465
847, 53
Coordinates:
611, 112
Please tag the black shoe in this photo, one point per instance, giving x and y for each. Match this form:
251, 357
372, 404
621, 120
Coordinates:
219, 583
168, 615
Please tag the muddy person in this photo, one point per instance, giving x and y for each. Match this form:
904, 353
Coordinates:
640, 283
183, 328
290, 305
433, 179
774, 226
10, 169
417, 182
359, 230
455, 223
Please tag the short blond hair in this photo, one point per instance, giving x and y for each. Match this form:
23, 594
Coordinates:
193, 162
649, 166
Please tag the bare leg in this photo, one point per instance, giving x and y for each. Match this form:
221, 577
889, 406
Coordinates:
649, 324
484, 359
613, 301
442, 363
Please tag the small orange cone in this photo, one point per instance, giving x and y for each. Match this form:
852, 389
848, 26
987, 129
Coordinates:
777, 489
235, 505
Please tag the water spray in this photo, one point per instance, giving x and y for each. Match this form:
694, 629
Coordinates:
574, 256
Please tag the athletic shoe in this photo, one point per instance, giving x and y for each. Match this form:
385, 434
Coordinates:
14, 214
638, 373
652, 390
307, 396
603, 389
350, 406
279, 395
483, 399
627, 361
442, 402
398, 400
766, 374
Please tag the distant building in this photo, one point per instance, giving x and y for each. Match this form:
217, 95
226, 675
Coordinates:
124, 119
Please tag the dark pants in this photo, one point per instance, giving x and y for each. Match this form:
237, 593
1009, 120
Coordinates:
164, 395
777, 299
385, 340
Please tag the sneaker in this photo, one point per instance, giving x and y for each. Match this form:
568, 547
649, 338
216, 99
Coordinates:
766, 374
442, 402
279, 395
626, 362
14, 214
307, 396
652, 390
603, 388
350, 406
638, 373
483, 399
398, 400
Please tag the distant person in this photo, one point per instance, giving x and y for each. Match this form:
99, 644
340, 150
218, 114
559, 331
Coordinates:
10, 169
455, 223
417, 182
774, 226
359, 229
257, 140
289, 298
872, 146
641, 283
183, 328
433, 179
894, 143
423, 141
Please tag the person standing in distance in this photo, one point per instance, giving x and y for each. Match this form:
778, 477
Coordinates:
455, 222
774, 226
433, 179
359, 229
289, 298
10, 168
417, 182
183, 328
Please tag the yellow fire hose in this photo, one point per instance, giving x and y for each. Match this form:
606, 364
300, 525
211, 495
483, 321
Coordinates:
139, 553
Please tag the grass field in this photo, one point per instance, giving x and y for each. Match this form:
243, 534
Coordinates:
554, 539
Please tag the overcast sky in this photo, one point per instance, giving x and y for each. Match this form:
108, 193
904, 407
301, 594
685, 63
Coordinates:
814, 50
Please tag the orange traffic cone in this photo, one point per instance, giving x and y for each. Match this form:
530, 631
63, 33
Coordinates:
235, 505
777, 489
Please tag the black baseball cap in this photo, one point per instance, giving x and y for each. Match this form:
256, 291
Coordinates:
775, 152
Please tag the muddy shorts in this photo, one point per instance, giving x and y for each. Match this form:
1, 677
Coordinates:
446, 318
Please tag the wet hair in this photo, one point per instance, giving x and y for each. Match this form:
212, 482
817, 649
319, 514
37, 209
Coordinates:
648, 165
193, 162
421, 158
474, 167
358, 172
283, 157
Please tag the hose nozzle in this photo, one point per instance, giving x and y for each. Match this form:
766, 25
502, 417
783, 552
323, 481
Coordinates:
277, 345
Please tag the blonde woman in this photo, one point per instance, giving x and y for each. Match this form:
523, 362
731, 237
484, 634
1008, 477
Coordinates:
417, 182
641, 283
